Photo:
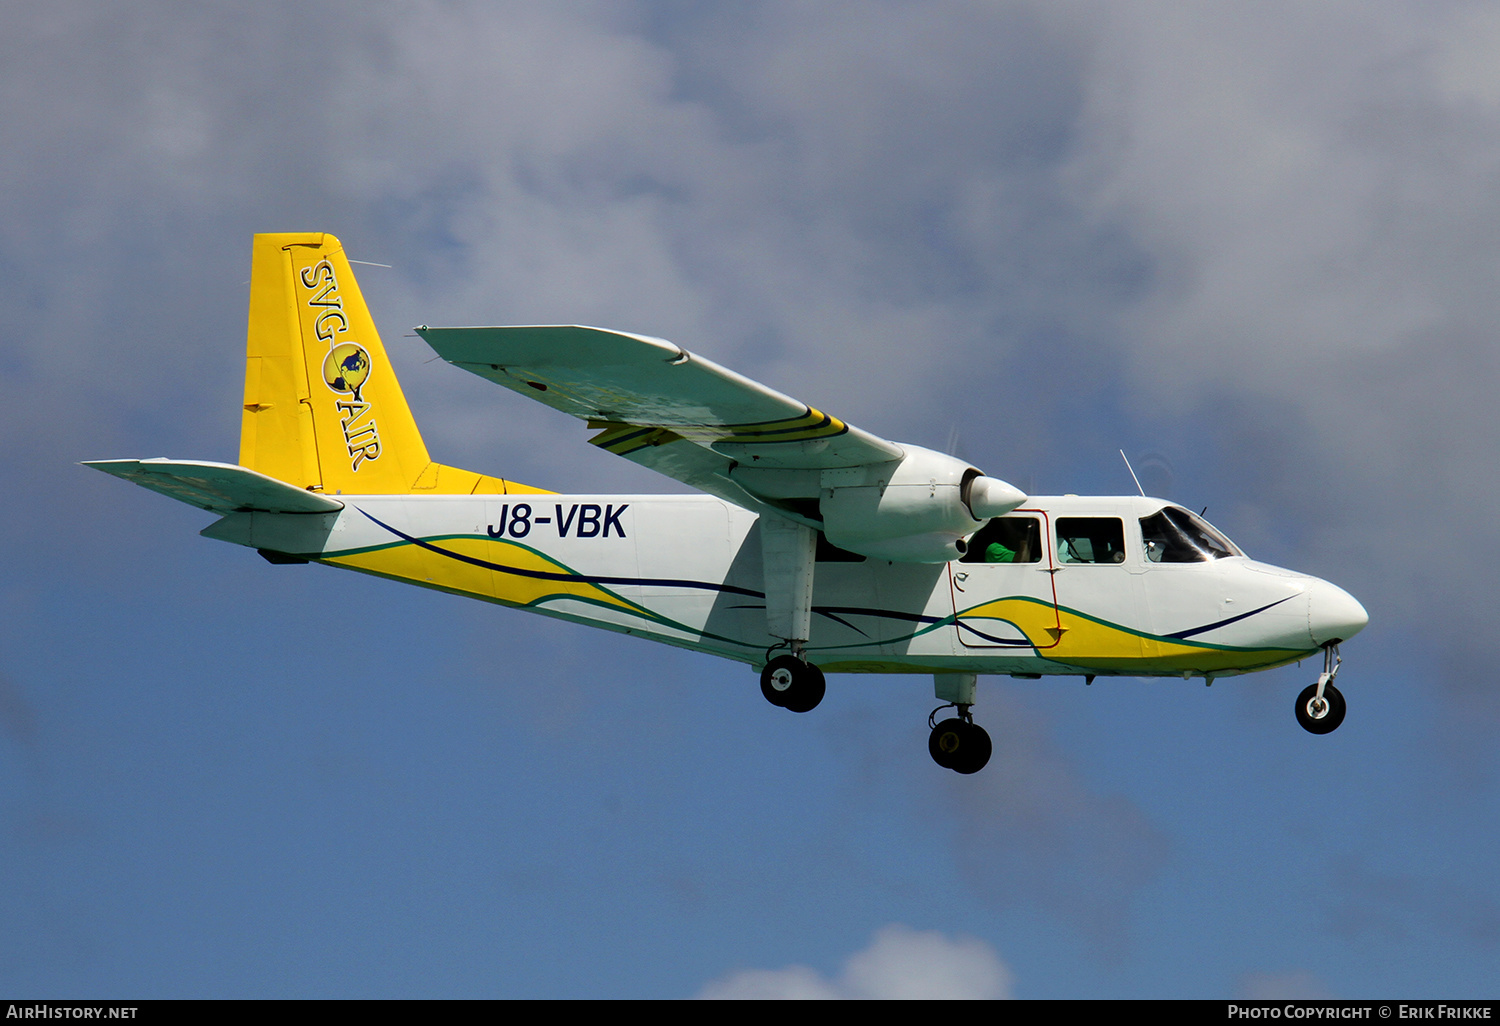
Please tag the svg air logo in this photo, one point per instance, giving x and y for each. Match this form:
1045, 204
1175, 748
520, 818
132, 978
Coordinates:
346, 368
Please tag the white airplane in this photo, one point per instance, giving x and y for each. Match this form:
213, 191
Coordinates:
817, 547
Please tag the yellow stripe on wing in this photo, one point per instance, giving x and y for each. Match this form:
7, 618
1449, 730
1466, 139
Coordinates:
623, 439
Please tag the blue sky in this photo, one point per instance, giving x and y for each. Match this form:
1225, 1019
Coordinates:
1251, 244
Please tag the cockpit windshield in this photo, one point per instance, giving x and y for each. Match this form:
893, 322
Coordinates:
1176, 535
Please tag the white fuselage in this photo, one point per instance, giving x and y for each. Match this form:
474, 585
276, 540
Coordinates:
686, 570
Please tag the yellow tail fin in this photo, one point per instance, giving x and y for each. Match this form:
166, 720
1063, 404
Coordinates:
323, 408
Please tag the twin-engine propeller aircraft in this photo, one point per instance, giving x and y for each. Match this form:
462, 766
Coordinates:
817, 547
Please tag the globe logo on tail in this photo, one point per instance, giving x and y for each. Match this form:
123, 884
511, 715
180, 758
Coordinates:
346, 368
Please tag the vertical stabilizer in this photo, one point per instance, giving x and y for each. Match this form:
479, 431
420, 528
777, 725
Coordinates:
323, 409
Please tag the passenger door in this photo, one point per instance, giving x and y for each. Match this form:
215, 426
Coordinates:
1002, 587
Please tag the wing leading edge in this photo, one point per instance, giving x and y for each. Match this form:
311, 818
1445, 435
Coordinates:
679, 414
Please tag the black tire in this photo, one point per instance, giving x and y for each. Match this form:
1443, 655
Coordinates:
975, 752
945, 741
1331, 717
960, 746
808, 690
790, 683
771, 683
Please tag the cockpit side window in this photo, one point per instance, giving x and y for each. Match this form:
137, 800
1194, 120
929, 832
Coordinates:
1006, 540
1090, 540
1176, 535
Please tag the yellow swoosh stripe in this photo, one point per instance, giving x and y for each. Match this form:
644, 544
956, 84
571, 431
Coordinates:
1069, 637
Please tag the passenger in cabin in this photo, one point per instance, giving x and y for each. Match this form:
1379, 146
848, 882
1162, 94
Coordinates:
1006, 540
994, 552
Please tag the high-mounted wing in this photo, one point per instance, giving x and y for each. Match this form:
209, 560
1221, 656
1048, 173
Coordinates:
664, 408
677, 413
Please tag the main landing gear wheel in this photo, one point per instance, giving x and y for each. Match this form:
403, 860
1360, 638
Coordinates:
960, 745
1320, 715
792, 684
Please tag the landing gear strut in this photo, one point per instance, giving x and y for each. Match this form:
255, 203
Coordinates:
958, 743
788, 559
1320, 707
792, 683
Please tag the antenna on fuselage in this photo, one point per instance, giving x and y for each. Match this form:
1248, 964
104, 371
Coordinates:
1132, 474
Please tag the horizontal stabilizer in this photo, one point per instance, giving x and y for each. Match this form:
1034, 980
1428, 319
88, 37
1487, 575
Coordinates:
218, 487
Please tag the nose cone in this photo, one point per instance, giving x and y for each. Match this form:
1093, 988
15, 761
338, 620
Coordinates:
1333, 614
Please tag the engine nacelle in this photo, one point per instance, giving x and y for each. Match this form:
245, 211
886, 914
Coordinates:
914, 511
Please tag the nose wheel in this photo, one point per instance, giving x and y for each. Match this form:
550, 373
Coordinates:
791, 683
958, 743
1320, 707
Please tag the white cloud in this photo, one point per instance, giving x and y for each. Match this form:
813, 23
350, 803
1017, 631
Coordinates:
1269, 227
899, 964
1312, 187
1268, 220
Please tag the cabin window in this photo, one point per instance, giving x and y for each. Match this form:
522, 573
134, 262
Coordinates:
1006, 540
1090, 540
1175, 535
